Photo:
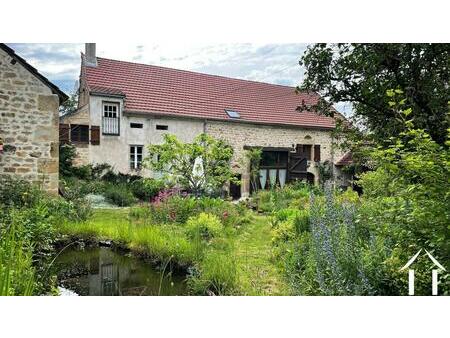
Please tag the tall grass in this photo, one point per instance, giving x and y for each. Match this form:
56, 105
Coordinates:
16, 271
158, 241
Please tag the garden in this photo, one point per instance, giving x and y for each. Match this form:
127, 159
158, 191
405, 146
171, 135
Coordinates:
295, 240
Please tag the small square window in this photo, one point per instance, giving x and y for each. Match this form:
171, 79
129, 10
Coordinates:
162, 127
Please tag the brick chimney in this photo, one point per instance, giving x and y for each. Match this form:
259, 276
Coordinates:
91, 59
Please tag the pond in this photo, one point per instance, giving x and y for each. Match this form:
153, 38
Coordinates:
102, 271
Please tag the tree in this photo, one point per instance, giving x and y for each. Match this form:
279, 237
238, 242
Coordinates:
202, 166
70, 105
362, 73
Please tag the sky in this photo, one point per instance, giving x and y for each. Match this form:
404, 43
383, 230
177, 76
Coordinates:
271, 63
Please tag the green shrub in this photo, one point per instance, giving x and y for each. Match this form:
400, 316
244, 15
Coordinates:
146, 188
120, 195
295, 194
283, 232
175, 209
18, 193
204, 226
67, 153
301, 221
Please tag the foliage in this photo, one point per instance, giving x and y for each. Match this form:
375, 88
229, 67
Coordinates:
406, 196
119, 194
202, 166
28, 218
177, 208
252, 159
70, 105
147, 188
362, 73
294, 194
357, 245
67, 153
203, 226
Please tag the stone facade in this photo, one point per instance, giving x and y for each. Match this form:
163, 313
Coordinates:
239, 135
28, 126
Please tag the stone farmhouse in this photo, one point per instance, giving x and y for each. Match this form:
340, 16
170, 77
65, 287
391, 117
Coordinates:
125, 106
29, 121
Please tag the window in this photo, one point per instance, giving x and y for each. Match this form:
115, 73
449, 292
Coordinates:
79, 133
136, 125
110, 118
110, 110
232, 113
135, 157
161, 127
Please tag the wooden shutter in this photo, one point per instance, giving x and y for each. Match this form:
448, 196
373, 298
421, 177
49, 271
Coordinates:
95, 135
317, 153
307, 151
64, 131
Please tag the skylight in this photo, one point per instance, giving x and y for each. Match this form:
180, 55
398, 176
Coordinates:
232, 113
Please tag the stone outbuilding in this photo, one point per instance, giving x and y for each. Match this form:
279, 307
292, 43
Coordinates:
29, 119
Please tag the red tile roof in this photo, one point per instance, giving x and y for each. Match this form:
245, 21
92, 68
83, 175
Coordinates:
166, 91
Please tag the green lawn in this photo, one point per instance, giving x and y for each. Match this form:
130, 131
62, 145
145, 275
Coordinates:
258, 273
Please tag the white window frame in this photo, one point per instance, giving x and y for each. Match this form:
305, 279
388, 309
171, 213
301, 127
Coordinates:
135, 164
110, 118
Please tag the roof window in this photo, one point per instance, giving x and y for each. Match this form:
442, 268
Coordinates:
232, 113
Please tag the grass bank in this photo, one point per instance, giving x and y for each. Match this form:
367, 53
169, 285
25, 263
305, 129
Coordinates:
160, 242
236, 261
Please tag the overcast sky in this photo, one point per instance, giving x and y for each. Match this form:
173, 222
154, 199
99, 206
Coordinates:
272, 63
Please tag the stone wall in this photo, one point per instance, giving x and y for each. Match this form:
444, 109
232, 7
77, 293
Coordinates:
28, 126
239, 135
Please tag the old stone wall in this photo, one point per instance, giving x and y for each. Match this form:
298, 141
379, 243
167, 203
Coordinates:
239, 135
28, 126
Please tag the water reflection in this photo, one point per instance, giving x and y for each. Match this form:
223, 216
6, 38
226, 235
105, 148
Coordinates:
104, 272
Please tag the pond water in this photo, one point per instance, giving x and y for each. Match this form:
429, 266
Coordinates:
101, 271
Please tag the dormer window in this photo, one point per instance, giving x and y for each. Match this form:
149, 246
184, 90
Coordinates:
110, 119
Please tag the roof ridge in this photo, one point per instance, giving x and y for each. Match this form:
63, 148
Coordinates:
54, 88
200, 73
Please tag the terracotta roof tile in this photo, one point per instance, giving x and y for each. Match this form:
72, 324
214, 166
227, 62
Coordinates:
160, 90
